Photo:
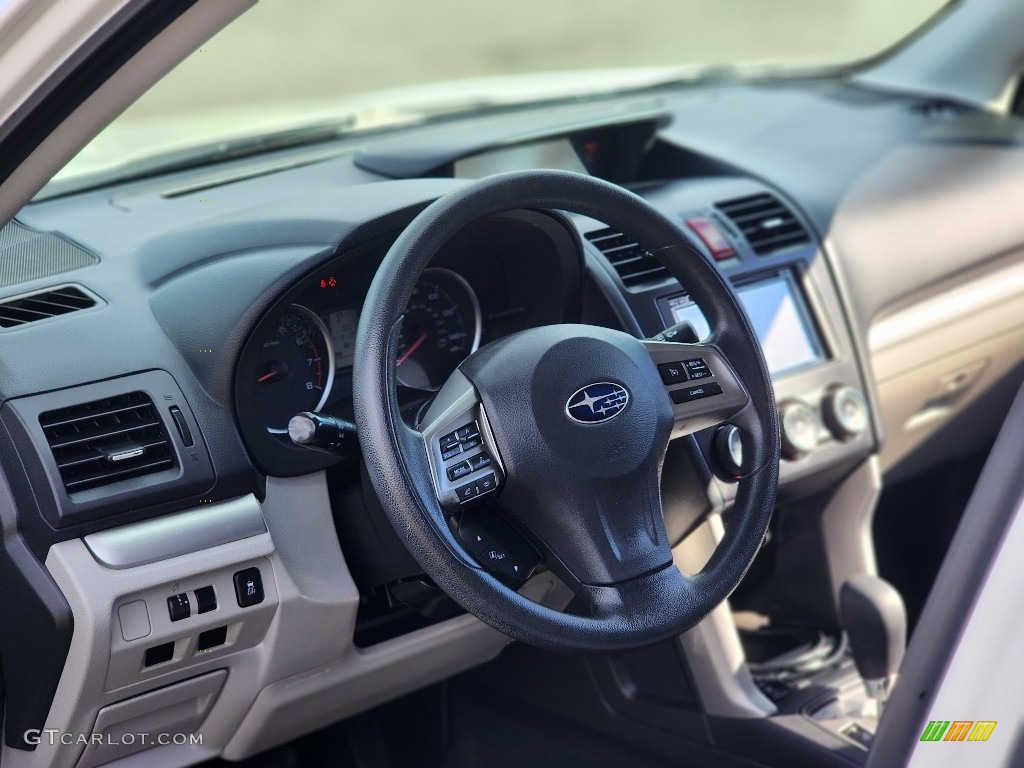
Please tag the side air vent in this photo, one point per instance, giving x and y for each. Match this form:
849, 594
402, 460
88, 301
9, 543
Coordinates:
634, 264
768, 225
107, 440
42, 305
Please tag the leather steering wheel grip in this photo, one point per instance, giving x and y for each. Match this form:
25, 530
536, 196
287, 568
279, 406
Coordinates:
637, 611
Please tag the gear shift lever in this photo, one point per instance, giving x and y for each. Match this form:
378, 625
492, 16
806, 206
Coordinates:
875, 620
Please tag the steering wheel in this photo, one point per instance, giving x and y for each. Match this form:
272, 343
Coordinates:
576, 420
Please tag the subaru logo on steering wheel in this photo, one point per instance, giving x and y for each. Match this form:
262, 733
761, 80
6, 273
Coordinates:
596, 403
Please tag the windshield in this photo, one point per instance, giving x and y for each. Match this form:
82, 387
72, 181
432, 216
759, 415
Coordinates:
291, 63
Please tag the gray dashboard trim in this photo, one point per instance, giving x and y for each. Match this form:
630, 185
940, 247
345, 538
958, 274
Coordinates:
180, 534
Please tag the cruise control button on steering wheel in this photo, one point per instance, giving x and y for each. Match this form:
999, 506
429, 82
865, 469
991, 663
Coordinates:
464, 462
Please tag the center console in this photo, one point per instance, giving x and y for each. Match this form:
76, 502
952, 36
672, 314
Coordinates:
776, 657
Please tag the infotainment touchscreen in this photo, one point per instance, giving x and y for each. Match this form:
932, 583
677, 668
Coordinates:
777, 314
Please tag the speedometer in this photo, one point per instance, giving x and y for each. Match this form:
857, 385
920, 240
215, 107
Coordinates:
440, 329
294, 368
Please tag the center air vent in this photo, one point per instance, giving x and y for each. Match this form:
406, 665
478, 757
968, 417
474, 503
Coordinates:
43, 305
767, 224
634, 264
107, 440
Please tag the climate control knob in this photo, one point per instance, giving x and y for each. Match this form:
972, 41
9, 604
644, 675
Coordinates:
800, 426
845, 411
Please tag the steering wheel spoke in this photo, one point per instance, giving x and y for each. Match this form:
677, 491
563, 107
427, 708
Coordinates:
465, 464
700, 383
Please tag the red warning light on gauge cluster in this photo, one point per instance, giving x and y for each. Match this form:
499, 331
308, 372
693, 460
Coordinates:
328, 282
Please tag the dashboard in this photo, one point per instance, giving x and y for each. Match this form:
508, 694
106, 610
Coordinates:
208, 307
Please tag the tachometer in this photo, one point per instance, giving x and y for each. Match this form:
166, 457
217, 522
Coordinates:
441, 328
294, 368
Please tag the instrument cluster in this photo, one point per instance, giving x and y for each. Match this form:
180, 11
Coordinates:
480, 287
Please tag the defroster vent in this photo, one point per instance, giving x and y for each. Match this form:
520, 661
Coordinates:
765, 221
107, 440
633, 262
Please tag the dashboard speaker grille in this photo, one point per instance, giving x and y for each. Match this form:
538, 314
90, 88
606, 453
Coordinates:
107, 440
42, 305
28, 255
766, 223
634, 263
